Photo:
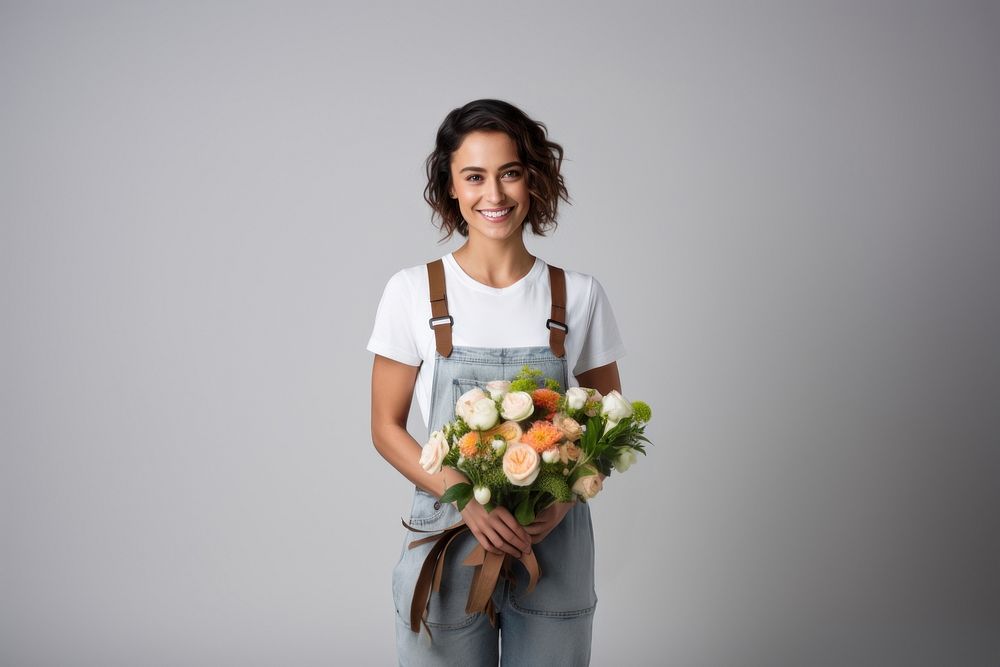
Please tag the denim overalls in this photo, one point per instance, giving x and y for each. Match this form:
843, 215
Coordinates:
550, 626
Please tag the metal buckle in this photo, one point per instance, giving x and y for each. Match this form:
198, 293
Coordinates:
557, 324
438, 321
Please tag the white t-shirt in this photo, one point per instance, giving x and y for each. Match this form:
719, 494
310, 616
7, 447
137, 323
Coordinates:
485, 316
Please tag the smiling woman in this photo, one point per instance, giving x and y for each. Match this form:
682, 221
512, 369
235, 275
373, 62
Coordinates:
492, 308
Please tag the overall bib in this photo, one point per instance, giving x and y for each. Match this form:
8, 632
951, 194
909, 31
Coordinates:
549, 626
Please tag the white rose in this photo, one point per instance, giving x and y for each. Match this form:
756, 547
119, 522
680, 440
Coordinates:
433, 453
615, 408
466, 400
551, 455
625, 459
521, 464
576, 397
482, 494
498, 388
499, 445
588, 486
517, 405
483, 415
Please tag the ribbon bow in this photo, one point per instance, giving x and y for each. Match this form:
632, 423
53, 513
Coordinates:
488, 566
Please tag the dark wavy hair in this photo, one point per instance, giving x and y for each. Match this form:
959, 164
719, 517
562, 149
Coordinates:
542, 159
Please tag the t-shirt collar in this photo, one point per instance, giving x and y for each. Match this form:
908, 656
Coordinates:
472, 283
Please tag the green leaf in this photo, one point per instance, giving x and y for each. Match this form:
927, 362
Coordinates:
463, 501
456, 493
525, 512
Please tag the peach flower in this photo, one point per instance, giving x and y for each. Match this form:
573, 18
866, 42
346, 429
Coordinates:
570, 428
468, 445
542, 435
568, 452
545, 399
588, 486
521, 464
510, 431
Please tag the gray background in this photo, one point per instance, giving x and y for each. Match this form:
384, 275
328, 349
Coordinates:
794, 207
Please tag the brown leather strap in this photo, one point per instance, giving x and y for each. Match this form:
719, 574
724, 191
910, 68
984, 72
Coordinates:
488, 568
557, 322
429, 578
487, 574
440, 321
484, 579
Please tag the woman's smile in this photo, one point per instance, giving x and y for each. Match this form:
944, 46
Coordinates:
496, 214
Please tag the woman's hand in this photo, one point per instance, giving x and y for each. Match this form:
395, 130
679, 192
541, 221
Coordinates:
498, 531
548, 519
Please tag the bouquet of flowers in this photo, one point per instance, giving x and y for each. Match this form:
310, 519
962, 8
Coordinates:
524, 444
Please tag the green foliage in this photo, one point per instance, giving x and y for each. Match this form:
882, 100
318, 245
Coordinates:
525, 512
454, 430
641, 411
495, 479
554, 484
553, 384
524, 384
459, 493
590, 441
527, 372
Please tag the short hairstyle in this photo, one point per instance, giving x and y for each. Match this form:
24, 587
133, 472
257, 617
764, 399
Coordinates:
542, 159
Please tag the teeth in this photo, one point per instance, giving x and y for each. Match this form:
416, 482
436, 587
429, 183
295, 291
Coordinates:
496, 214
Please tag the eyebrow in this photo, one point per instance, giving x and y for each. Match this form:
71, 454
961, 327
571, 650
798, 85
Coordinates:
503, 166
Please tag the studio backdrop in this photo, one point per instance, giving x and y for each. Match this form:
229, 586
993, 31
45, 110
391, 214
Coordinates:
793, 207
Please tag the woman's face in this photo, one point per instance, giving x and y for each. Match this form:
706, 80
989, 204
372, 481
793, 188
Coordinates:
490, 183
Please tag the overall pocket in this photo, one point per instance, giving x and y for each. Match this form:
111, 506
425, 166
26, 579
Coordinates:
566, 560
446, 608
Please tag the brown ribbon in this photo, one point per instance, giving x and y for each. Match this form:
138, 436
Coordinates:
488, 566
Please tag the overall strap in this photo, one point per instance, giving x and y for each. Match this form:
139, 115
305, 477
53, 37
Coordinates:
556, 324
440, 321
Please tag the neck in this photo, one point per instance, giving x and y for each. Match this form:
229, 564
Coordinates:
495, 264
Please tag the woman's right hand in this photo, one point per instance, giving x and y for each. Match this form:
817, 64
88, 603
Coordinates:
497, 530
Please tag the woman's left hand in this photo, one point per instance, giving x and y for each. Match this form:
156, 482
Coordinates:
546, 520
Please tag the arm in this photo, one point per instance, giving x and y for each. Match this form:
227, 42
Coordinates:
603, 378
392, 393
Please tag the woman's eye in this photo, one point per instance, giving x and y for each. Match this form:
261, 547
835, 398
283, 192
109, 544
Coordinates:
513, 173
472, 176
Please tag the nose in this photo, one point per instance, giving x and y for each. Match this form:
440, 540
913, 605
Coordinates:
495, 194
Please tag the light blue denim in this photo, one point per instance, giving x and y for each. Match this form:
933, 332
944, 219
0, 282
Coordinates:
551, 626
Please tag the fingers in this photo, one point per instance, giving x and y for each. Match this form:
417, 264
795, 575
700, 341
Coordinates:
519, 542
502, 544
510, 528
493, 531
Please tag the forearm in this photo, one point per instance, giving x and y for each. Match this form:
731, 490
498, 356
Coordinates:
402, 451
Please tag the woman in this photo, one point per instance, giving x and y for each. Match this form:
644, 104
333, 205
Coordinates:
492, 307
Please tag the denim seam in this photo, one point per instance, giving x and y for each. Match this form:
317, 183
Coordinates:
444, 626
552, 614
424, 520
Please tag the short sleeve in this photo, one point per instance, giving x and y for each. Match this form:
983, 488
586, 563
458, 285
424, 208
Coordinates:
603, 343
392, 335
